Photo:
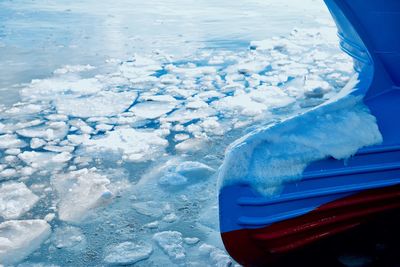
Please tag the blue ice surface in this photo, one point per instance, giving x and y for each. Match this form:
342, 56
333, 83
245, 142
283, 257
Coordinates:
36, 38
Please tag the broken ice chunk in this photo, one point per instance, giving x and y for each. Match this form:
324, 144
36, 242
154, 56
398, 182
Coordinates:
80, 191
170, 218
194, 170
44, 160
185, 115
171, 242
136, 146
48, 89
217, 256
62, 157
128, 253
169, 79
172, 180
37, 143
10, 141
191, 240
175, 175
20, 109
181, 137
102, 127
152, 109
15, 200
153, 209
240, 104
73, 68
69, 237
51, 131
18, 239
105, 103
13, 151
191, 145
8, 173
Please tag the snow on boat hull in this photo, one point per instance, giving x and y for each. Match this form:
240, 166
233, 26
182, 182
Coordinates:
333, 196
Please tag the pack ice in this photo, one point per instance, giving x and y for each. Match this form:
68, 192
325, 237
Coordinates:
121, 164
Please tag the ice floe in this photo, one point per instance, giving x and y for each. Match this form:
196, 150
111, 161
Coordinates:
105, 103
127, 253
217, 256
18, 239
48, 89
46, 161
10, 141
68, 237
152, 109
73, 68
8, 173
80, 192
135, 145
15, 200
52, 131
171, 242
175, 174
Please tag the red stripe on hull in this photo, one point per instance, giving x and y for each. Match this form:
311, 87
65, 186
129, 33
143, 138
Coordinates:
257, 247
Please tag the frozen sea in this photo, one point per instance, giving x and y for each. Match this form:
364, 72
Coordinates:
114, 119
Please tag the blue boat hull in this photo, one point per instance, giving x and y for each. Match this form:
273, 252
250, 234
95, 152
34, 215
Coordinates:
333, 196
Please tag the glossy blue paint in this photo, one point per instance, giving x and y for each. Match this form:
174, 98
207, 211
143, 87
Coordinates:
369, 31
